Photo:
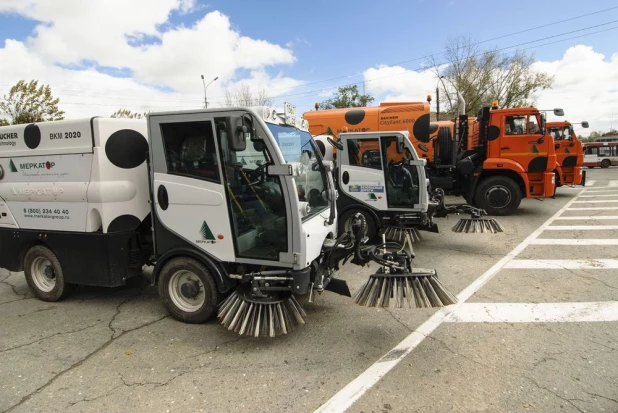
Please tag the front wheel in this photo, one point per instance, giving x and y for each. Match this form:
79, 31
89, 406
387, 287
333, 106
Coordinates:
345, 222
498, 195
605, 163
44, 274
188, 290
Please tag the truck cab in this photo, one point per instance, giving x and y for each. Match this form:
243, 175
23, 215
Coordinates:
569, 153
499, 157
379, 175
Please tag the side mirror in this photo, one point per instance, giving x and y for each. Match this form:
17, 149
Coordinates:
584, 124
558, 112
239, 131
400, 144
335, 144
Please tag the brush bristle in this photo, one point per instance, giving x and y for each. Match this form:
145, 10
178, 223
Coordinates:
477, 225
260, 319
409, 290
398, 234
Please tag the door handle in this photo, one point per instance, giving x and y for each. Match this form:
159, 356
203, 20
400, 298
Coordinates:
162, 197
505, 148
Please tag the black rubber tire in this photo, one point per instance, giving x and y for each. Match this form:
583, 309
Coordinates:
61, 289
606, 163
558, 183
444, 146
591, 167
506, 184
212, 297
372, 228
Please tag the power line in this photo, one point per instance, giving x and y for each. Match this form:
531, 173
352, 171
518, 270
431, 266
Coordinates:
315, 91
473, 44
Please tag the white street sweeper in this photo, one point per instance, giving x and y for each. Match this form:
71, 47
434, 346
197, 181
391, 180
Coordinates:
234, 208
380, 176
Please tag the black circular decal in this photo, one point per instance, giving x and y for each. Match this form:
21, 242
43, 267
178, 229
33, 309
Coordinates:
32, 136
538, 164
124, 223
493, 132
421, 128
126, 148
354, 117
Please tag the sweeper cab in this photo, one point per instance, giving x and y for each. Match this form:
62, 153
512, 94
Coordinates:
380, 176
234, 208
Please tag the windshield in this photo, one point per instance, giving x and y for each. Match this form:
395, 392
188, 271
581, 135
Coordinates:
298, 146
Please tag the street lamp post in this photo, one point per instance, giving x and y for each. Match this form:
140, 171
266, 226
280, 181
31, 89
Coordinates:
205, 86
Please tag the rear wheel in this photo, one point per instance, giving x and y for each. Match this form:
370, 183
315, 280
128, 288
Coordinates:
345, 222
188, 290
445, 146
605, 163
44, 274
498, 195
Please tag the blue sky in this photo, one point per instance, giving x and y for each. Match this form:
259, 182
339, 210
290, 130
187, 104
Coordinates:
299, 51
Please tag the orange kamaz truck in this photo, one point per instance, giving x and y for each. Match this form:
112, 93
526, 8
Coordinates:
497, 158
569, 153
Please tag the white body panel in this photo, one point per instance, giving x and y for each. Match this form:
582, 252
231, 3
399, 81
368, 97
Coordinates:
58, 176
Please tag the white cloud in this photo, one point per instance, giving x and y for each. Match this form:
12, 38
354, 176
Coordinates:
74, 39
585, 86
395, 83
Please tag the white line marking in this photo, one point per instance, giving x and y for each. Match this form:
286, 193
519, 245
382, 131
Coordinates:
590, 183
605, 191
551, 241
535, 313
581, 227
613, 183
604, 201
593, 208
586, 217
602, 187
347, 396
594, 196
591, 264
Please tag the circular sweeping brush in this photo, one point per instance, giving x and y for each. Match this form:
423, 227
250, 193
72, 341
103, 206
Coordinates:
398, 234
269, 316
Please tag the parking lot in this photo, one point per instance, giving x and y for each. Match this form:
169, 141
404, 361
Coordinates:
535, 329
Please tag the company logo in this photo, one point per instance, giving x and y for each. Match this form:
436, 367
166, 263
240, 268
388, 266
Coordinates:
12, 167
207, 235
37, 165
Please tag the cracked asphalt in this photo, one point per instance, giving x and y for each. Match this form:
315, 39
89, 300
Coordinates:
118, 349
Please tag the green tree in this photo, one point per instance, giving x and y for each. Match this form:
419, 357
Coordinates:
127, 114
4, 122
481, 76
28, 102
347, 97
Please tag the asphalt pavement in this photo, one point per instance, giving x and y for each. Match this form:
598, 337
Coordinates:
535, 330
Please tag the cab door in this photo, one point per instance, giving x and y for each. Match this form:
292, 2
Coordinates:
213, 197
361, 176
524, 143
